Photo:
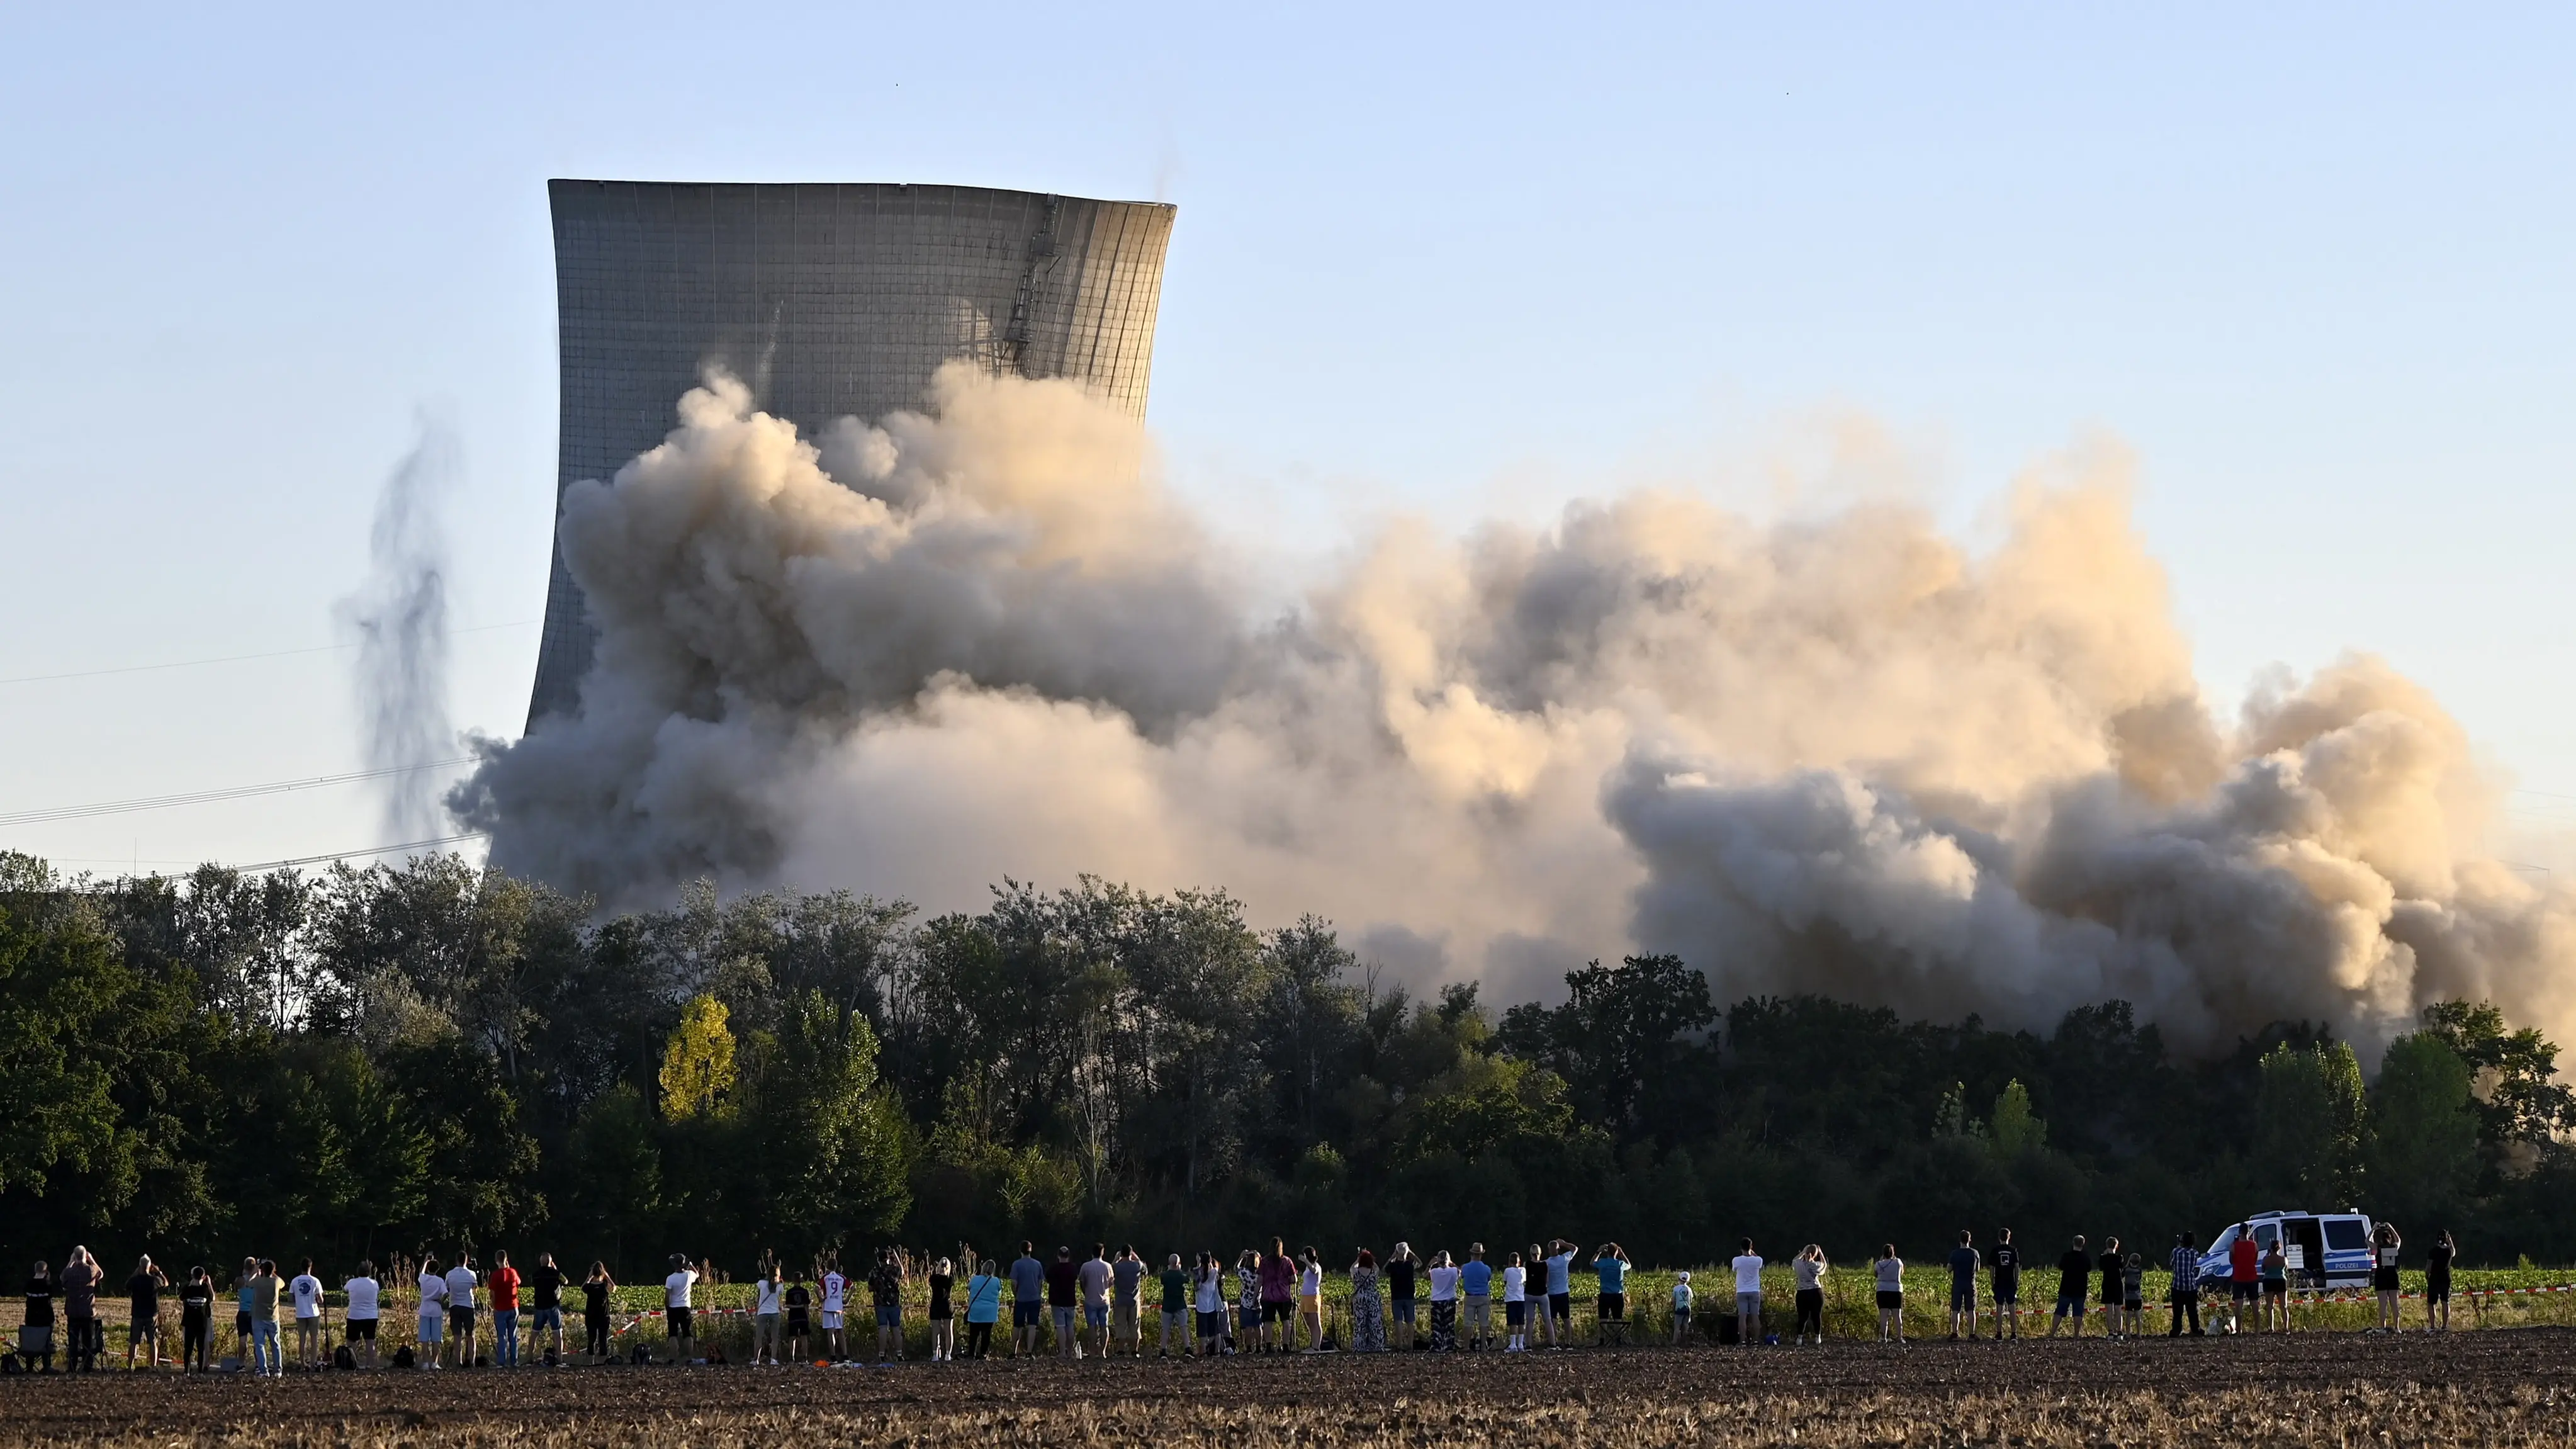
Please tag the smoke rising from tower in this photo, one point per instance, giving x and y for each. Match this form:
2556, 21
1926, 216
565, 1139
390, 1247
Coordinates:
400, 616
1840, 754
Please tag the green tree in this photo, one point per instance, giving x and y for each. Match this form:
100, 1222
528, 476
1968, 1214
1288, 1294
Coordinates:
2519, 1099
829, 1150
2423, 1130
2017, 1130
2309, 1109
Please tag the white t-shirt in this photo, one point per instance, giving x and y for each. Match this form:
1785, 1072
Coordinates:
1444, 1284
1515, 1283
768, 1295
1748, 1273
675, 1289
832, 1287
363, 1293
433, 1295
308, 1296
1211, 1292
460, 1287
1310, 1284
1681, 1297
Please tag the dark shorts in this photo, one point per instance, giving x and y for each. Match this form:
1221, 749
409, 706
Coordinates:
1614, 1306
1274, 1310
1027, 1313
2110, 1297
2243, 1289
362, 1328
889, 1315
1404, 1310
1963, 1300
2011, 1298
241, 1325
1515, 1313
144, 1325
676, 1322
2134, 1305
1560, 1305
2070, 1303
1890, 1300
547, 1318
2384, 1279
2437, 1292
461, 1319
1212, 1325
796, 1321
2276, 1287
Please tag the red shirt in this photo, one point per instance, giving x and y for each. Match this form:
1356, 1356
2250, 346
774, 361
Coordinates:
505, 1288
2241, 1260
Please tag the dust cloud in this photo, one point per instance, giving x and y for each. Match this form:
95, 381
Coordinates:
1843, 753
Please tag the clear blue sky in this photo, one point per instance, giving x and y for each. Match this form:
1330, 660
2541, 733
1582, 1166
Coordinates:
2312, 263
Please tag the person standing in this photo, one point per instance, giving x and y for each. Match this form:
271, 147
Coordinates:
1748, 1294
800, 1326
1126, 1301
1175, 1283
241, 1301
1610, 1266
365, 1306
2383, 1276
2244, 1277
1809, 1271
143, 1323
1247, 1275
767, 1293
679, 1315
1560, 1292
1515, 1305
1310, 1296
983, 1309
1064, 1302
2074, 1275
305, 1291
1964, 1263
1476, 1288
2437, 1282
835, 1295
2004, 1274
2276, 1285
2186, 1285
1444, 1302
1681, 1307
1096, 1275
596, 1291
885, 1289
432, 1328
545, 1303
2133, 1292
38, 1341
1368, 1315
1209, 1299
1278, 1297
943, 1312
265, 1351
196, 1319
2115, 1319
79, 1280
1891, 1294
1028, 1299
462, 1281
1400, 1272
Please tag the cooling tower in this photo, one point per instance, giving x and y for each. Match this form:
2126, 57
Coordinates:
829, 301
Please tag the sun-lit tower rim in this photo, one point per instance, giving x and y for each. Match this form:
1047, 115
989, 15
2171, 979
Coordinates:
830, 299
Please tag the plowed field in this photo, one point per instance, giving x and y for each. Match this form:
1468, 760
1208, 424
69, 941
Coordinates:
2501, 1387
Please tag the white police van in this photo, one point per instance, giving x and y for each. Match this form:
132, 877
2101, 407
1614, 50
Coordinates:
2326, 1250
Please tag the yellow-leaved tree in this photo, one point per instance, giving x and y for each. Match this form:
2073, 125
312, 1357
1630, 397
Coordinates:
697, 1062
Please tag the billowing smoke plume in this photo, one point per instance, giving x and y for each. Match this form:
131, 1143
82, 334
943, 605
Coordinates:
1842, 755
400, 615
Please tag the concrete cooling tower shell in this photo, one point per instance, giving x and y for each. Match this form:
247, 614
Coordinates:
830, 301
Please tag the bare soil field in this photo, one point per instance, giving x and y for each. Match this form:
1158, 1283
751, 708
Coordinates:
2503, 1387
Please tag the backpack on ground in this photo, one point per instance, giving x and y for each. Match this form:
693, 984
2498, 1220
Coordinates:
403, 1357
341, 1358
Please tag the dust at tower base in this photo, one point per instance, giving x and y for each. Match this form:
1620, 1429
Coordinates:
829, 300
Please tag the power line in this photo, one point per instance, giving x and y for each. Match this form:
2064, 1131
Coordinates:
275, 787
237, 658
372, 850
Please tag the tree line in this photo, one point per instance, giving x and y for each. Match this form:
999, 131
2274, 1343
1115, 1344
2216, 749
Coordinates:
420, 1056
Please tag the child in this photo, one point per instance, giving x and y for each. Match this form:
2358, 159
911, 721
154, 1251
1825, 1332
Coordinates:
800, 1299
1681, 1308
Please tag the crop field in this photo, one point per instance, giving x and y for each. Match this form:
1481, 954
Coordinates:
2508, 1387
